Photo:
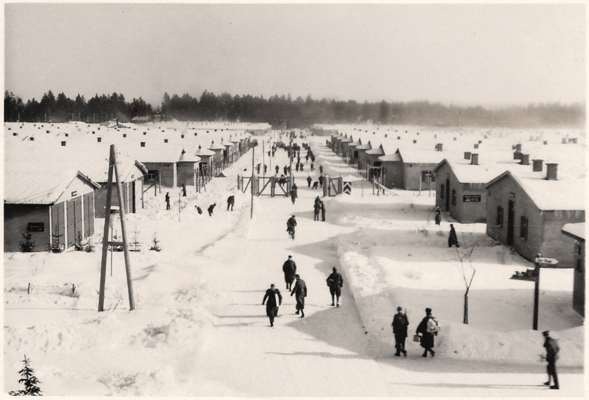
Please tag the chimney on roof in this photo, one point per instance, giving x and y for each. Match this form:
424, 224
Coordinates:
414, 141
63, 143
32, 138
551, 171
518, 147
142, 144
165, 140
476, 146
537, 165
439, 146
99, 139
467, 155
545, 142
124, 135
474, 159
182, 136
525, 159
14, 134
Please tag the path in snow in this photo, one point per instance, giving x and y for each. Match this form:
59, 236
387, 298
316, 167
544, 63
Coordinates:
327, 352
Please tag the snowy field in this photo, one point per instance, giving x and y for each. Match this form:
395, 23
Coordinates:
199, 327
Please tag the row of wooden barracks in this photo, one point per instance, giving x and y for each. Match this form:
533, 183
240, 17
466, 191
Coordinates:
525, 187
55, 175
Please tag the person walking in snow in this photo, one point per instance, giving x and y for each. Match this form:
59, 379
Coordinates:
167, 198
300, 292
438, 217
293, 193
290, 269
335, 282
427, 329
285, 170
291, 224
322, 205
230, 202
265, 168
277, 169
198, 210
309, 180
316, 208
211, 208
400, 324
452, 237
321, 180
272, 299
552, 349
312, 167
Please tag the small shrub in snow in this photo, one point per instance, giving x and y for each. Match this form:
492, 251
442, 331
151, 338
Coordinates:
29, 381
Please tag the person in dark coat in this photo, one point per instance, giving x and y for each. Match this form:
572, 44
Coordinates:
198, 210
335, 282
438, 217
309, 180
312, 167
452, 238
321, 169
289, 268
277, 169
272, 304
265, 168
258, 168
427, 328
316, 208
230, 202
293, 193
322, 211
183, 190
285, 170
300, 292
552, 349
400, 324
315, 185
211, 208
167, 200
321, 179
291, 224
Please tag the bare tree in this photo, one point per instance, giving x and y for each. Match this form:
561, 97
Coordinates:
465, 256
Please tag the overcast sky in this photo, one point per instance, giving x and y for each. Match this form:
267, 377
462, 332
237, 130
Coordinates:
485, 54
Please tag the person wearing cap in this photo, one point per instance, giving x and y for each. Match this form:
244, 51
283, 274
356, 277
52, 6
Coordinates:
400, 324
300, 292
335, 282
427, 329
552, 349
289, 268
272, 303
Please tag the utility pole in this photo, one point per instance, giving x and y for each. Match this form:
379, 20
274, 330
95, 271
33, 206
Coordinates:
112, 167
252, 185
263, 155
536, 295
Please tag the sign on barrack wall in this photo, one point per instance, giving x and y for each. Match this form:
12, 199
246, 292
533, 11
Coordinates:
471, 198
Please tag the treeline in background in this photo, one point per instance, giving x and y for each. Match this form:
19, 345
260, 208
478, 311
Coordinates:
284, 111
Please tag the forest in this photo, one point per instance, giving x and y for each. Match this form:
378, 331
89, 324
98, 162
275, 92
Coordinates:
284, 111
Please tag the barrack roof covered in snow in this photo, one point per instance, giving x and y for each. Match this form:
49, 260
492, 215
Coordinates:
39, 184
575, 230
549, 195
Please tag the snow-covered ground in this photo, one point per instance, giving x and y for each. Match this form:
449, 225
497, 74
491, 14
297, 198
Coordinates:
200, 329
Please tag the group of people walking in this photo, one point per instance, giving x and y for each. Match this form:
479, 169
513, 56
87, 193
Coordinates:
425, 332
273, 298
318, 208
